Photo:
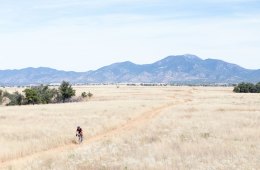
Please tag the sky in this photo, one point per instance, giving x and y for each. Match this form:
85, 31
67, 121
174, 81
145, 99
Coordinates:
82, 35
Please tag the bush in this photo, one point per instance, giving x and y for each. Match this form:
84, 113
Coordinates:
43, 95
257, 87
247, 88
1, 97
15, 98
32, 96
84, 95
236, 89
90, 94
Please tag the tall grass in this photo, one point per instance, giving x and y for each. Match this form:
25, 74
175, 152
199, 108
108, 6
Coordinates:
206, 128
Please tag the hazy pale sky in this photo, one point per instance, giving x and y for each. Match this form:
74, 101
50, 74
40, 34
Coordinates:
82, 35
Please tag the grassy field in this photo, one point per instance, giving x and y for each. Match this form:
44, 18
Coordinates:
136, 128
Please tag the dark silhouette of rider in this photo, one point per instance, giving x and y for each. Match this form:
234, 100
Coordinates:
79, 133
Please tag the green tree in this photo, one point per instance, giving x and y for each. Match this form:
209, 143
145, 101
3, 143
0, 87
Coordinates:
45, 94
32, 96
236, 89
16, 99
247, 88
243, 87
257, 86
66, 91
251, 88
1, 96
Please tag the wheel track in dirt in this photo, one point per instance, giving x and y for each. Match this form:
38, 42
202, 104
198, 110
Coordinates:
128, 126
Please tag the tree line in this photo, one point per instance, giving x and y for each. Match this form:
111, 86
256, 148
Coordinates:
247, 88
42, 95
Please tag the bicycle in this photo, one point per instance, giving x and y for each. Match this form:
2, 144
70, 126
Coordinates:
80, 138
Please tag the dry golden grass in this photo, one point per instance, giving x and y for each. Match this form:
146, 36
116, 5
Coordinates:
136, 128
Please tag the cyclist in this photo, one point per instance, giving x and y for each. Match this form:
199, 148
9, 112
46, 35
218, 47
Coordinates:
79, 134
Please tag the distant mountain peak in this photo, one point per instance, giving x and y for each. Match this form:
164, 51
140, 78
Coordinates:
184, 57
191, 56
127, 63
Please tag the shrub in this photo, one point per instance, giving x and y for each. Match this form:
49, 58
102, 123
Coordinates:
236, 89
90, 94
247, 88
45, 94
32, 97
84, 95
257, 87
1, 97
15, 98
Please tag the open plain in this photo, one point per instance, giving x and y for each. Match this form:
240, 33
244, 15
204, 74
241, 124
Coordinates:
136, 128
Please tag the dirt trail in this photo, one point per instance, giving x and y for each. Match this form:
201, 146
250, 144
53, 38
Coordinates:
131, 124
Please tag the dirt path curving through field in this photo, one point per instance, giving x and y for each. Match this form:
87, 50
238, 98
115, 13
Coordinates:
130, 125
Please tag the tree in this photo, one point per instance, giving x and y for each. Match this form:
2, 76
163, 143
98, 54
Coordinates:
257, 86
1, 96
16, 99
66, 91
247, 88
32, 96
251, 88
243, 88
45, 94
236, 89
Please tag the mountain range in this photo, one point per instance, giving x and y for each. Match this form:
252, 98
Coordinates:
172, 69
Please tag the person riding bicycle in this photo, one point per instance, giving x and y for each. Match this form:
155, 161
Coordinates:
79, 134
